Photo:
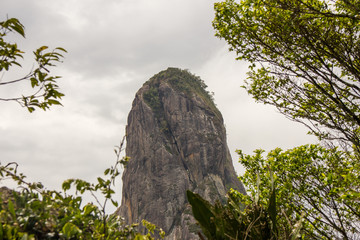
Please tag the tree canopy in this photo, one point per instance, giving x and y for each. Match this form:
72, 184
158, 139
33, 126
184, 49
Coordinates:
315, 183
305, 57
305, 60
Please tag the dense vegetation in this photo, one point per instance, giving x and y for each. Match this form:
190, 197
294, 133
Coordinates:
305, 61
37, 213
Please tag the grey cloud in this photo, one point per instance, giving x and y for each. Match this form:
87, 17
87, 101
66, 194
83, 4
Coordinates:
114, 47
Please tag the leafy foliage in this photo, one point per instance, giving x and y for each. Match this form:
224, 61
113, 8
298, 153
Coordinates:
152, 98
235, 220
36, 213
305, 59
45, 89
319, 183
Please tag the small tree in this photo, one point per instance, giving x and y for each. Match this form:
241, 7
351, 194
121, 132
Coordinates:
45, 89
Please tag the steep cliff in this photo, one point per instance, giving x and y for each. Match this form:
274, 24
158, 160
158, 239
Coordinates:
176, 141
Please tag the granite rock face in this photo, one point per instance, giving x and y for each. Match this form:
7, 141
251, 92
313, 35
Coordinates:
176, 141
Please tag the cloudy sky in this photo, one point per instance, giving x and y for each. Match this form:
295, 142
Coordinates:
114, 46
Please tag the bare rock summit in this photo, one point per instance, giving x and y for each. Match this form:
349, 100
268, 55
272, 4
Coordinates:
176, 141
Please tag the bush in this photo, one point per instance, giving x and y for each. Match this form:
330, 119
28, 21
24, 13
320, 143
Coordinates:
36, 213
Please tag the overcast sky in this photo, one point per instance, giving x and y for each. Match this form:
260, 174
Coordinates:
114, 46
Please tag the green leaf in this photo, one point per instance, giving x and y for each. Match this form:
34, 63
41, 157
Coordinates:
53, 102
25, 237
34, 82
67, 184
88, 209
1, 231
202, 212
17, 26
272, 209
115, 203
101, 181
11, 209
61, 49
141, 237
42, 48
70, 230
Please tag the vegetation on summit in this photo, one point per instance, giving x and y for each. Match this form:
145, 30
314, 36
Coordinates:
182, 81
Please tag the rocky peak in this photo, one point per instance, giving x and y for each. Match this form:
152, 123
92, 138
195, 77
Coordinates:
176, 141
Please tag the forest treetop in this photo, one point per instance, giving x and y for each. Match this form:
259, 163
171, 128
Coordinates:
305, 57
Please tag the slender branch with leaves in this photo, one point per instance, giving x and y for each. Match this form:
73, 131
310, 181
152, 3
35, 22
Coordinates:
45, 90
